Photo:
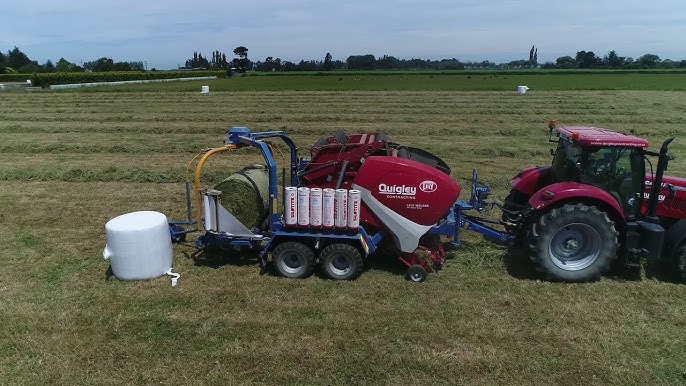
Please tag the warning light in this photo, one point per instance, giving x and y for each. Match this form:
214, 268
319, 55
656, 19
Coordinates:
552, 124
575, 136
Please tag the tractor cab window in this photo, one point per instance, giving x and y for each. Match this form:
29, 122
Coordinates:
619, 171
567, 162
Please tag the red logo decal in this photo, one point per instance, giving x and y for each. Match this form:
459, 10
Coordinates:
428, 186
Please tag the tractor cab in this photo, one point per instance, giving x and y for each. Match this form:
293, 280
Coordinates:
610, 160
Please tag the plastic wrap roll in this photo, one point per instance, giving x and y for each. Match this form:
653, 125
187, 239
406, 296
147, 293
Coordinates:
329, 198
341, 208
354, 200
291, 206
316, 197
303, 206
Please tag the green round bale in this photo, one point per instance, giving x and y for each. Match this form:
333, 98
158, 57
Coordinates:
246, 195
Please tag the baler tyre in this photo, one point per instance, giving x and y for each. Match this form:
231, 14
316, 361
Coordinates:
680, 263
293, 260
341, 261
574, 243
416, 274
516, 200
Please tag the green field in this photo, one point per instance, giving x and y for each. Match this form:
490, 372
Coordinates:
73, 160
425, 81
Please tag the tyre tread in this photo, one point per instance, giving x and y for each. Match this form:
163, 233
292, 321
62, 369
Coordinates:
338, 248
303, 249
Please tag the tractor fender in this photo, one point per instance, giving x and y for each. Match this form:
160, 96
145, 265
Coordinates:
674, 237
531, 179
574, 191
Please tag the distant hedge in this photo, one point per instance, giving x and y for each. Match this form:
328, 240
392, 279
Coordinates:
4, 78
47, 79
473, 72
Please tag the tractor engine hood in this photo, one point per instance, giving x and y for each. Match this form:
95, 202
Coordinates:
671, 202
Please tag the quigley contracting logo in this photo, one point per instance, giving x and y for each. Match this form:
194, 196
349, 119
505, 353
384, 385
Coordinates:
401, 190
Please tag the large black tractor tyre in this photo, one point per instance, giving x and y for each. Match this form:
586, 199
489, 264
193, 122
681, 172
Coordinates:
293, 260
680, 263
574, 243
515, 201
341, 261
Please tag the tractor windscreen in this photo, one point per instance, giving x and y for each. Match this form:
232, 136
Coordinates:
567, 162
617, 170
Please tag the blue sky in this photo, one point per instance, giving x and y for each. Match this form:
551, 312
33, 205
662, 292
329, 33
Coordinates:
165, 33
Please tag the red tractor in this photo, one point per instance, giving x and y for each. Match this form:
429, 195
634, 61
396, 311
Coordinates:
597, 202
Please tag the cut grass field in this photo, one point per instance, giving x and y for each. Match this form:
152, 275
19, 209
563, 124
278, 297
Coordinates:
440, 81
73, 160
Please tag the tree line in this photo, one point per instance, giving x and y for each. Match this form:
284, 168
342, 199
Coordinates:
582, 60
15, 61
588, 59
240, 63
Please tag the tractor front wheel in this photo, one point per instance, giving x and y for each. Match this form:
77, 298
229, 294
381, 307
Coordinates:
293, 259
574, 243
341, 261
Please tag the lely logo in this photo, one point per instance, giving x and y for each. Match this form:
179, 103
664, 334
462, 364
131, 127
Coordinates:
428, 186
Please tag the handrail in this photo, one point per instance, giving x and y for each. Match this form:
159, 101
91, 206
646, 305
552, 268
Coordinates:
198, 173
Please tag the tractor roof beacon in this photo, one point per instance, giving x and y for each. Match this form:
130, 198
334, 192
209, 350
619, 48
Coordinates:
596, 202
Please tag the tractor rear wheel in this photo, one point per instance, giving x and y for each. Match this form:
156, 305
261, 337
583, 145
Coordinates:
294, 260
341, 261
680, 262
574, 243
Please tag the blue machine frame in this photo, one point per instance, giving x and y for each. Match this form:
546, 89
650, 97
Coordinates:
457, 219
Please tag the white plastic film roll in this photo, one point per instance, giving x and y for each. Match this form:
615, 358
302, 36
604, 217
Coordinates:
303, 206
291, 206
316, 207
341, 208
354, 200
329, 198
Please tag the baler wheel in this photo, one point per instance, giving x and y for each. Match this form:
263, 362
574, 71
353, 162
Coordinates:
341, 261
574, 243
417, 274
680, 261
293, 260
